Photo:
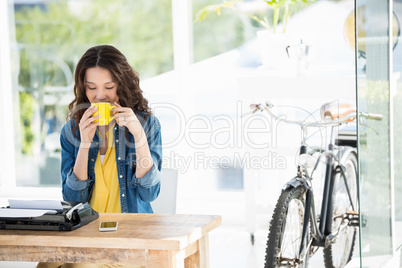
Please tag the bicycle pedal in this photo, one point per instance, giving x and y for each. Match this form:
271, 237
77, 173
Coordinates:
353, 218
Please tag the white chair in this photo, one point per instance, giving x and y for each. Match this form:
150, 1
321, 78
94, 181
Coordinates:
166, 201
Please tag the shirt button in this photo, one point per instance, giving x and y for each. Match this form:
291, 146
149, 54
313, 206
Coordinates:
117, 140
123, 195
121, 176
115, 128
119, 158
92, 160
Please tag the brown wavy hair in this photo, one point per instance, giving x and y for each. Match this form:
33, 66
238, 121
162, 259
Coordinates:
126, 78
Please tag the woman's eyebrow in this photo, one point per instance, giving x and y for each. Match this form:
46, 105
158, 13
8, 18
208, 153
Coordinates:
89, 82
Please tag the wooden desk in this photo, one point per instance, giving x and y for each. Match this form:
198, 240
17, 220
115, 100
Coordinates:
150, 240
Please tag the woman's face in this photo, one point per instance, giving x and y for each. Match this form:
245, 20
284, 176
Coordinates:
99, 86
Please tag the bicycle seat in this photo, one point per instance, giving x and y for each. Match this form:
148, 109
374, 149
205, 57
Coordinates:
335, 110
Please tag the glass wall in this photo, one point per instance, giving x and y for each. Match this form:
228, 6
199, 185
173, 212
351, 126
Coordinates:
379, 65
50, 37
396, 100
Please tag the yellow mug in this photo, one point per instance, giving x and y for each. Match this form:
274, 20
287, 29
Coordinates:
103, 110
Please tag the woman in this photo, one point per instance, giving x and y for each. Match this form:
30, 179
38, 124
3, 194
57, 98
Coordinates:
104, 75
116, 167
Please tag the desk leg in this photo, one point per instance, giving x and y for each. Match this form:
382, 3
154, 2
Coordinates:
200, 259
204, 251
197, 256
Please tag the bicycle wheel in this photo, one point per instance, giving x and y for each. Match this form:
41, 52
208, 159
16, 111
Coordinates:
285, 232
338, 254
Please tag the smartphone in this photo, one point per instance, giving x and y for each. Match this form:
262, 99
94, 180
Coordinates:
107, 226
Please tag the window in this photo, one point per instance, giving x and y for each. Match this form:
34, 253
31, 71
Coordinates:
220, 33
50, 37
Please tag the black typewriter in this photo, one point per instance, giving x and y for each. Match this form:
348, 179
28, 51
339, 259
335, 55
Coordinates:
72, 216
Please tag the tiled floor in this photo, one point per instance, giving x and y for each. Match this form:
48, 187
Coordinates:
230, 247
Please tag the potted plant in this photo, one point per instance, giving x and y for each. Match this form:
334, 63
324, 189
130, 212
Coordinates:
281, 9
273, 44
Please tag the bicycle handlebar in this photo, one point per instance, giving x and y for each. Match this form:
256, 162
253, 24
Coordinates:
348, 117
371, 116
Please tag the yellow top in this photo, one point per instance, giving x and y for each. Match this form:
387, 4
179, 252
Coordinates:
106, 192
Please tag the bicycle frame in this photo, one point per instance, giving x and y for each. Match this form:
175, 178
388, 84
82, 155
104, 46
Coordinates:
321, 234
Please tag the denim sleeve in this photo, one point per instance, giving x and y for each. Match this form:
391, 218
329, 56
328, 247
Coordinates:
149, 186
72, 188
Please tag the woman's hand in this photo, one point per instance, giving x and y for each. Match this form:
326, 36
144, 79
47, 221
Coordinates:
126, 117
88, 127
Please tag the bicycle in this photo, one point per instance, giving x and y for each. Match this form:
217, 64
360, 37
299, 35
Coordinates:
296, 231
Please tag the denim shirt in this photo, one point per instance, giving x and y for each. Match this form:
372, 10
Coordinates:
135, 193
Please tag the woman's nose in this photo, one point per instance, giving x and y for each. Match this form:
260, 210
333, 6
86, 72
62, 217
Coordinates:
100, 94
